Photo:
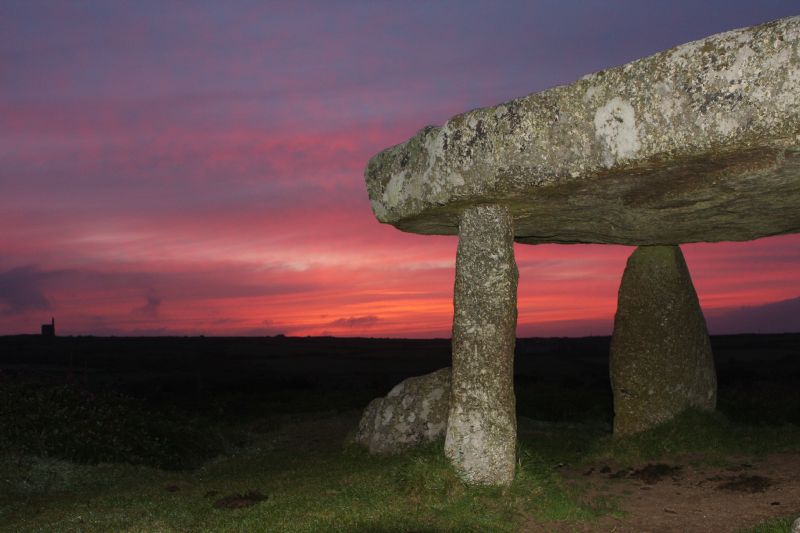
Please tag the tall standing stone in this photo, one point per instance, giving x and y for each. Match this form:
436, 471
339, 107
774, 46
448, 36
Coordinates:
661, 360
481, 430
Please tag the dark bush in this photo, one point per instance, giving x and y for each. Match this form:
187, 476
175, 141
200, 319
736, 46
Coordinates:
68, 422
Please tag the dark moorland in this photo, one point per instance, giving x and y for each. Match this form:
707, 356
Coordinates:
175, 407
557, 379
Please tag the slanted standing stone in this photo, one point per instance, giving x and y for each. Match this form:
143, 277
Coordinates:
481, 429
414, 412
661, 360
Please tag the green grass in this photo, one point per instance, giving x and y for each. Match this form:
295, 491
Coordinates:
776, 525
328, 488
60, 470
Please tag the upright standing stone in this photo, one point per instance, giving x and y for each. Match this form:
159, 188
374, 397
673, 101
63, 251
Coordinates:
481, 429
661, 360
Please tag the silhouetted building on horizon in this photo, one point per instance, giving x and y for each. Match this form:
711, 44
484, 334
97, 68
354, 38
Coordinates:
49, 330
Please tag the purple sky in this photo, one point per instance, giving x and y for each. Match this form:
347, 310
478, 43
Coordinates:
197, 167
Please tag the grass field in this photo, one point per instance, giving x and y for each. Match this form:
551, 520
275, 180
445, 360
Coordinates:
253, 435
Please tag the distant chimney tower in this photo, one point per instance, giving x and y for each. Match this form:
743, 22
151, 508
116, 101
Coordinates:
49, 330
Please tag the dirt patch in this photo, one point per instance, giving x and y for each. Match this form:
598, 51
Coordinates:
743, 483
650, 474
683, 495
240, 501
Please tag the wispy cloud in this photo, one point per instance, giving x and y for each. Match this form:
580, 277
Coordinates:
151, 306
361, 322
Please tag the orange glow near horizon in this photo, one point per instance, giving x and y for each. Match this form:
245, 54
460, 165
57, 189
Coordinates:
563, 291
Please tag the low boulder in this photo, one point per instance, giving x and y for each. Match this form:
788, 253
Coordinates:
414, 412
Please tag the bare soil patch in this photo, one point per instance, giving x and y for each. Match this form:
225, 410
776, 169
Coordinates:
682, 495
240, 501
650, 474
744, 483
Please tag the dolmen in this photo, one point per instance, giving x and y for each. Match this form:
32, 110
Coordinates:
699, 143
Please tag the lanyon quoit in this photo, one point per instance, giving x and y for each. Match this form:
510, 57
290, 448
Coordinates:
699, 143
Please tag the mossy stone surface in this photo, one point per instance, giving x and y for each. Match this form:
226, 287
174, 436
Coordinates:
481, 434
661, 361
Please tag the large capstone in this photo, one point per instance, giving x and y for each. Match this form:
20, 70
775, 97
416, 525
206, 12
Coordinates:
481, 429
697, 143
661, 361
414, 412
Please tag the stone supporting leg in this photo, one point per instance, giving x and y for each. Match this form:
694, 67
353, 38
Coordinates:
661, 360
481, 428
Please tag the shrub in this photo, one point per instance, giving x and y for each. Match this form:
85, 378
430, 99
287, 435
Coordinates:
68, 422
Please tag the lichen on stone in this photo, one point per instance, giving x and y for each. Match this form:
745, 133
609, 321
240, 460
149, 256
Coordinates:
615, 126
412, 413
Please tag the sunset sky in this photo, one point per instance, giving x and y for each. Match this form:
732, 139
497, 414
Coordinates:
197, 167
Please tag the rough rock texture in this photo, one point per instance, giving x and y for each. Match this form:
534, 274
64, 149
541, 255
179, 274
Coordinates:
414, 411
697, 143
661, 360
481, 429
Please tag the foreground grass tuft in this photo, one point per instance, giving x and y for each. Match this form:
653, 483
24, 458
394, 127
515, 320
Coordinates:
301, 486
711, 435
776, 525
